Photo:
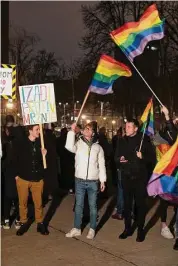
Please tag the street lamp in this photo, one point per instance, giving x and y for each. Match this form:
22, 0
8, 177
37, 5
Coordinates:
75, 110
10, 104
64, 106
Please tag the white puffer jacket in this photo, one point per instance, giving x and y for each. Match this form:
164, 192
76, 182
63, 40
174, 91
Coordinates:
89, 164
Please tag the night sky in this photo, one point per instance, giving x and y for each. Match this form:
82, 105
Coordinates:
58, 24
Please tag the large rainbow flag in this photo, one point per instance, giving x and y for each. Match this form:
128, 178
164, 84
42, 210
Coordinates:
132, 37
161, 149
164, 180
148, 119
107, 71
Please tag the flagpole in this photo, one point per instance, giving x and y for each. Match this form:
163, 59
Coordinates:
139, 74
141, 143
83, 104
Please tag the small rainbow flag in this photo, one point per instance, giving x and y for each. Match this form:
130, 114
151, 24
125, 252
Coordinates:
164, 180
132, 37
107, 71
148, 119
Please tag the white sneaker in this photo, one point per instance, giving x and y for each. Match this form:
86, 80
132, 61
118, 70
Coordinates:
74, 232
165, 232
6, 225
91, 234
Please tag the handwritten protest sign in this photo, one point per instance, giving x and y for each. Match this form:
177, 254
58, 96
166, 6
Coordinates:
6, 81
38, 104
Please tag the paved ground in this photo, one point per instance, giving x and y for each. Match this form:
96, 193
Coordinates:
33, 249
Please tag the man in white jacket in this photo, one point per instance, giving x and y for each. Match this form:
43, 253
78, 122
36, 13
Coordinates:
89, 170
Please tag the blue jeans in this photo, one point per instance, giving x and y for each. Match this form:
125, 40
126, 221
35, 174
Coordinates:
120, 197
81, 187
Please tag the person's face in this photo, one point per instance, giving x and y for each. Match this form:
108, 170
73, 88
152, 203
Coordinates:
130, 129
35, 132
87, 132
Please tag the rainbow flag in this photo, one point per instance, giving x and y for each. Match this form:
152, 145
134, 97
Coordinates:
107, 71
132, 37
147, 119
161, 149
164, 180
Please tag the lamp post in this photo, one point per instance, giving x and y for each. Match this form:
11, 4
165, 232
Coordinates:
75, 109
113, 123
64, 109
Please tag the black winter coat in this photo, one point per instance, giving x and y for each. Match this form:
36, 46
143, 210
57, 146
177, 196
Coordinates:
135, 168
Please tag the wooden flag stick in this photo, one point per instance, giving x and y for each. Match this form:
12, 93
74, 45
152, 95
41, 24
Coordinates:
42, 145
83, 104
141, 143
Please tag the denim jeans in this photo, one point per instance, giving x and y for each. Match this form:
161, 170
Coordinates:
81, 187
120, 198
176, 224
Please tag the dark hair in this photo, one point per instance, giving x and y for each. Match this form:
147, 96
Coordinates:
30, 127
93, 126
102, 130
79, 126
64, 131
10, 119
134, 121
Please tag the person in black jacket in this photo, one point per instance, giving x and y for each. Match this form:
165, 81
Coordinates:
28, 173
133, 166
10, 190
169, 134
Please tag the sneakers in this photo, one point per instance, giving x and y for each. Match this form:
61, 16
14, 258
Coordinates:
17, 224
175, 247
6, 224
91, 234
71, 192
165, 232
74, 232
42, 229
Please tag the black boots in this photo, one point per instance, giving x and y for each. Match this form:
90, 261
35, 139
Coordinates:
42, 229
140, 235
129, 232
175, 247
125, 234
23, 229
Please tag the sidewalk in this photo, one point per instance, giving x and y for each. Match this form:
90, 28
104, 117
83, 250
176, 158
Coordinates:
33, 249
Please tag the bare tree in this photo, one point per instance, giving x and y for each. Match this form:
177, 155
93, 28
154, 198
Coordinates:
45, 67
22, 51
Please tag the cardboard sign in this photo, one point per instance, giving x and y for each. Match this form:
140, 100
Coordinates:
6, 81
38, 104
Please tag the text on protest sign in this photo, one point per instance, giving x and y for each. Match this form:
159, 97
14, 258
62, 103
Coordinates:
6, 81
38, 104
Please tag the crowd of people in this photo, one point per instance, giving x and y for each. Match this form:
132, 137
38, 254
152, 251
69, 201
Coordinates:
79, 161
